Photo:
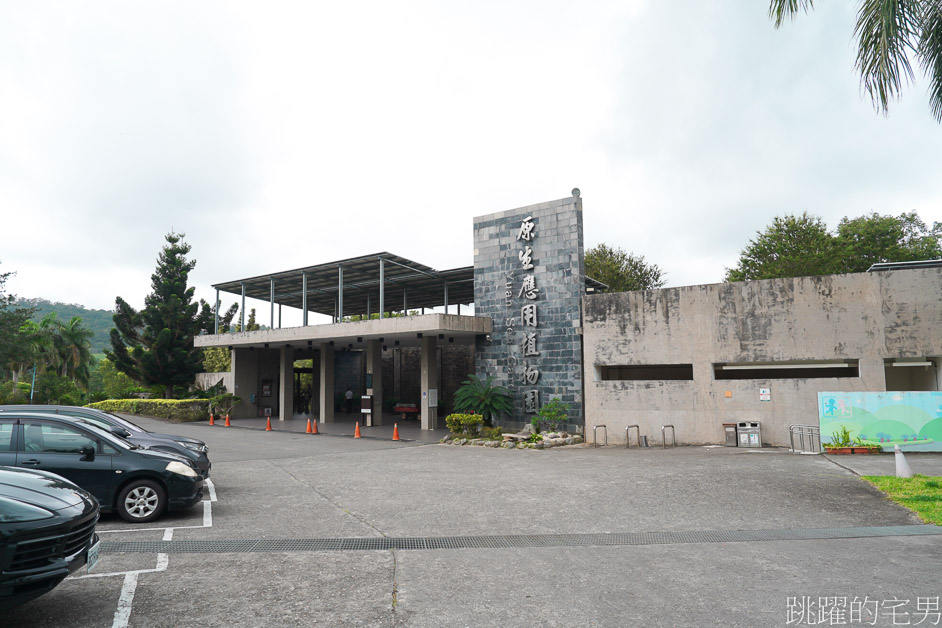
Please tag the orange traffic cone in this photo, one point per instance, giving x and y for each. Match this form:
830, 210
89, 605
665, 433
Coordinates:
212, 420
268, 425
308, 430
356, 434
395, 431
314, 427
227, 419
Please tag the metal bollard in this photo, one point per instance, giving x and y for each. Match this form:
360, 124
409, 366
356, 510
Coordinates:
595, 434
664, 436
628, 437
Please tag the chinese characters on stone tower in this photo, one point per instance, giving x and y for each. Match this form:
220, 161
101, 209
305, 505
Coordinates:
528, 316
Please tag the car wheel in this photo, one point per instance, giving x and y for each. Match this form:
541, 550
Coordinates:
141, 501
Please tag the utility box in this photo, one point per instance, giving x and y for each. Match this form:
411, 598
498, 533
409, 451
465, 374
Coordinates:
749, 434
366, 409
731, 438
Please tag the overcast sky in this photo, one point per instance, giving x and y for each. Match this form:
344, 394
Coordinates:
284, 134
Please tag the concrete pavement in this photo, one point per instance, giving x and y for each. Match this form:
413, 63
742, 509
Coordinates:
289, 486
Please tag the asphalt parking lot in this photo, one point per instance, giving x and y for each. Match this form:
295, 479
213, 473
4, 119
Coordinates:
305, 530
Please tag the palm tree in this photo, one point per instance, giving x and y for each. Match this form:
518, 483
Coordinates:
888, 33
484, 398
73, 348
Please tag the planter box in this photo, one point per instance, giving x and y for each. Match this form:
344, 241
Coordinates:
852, 450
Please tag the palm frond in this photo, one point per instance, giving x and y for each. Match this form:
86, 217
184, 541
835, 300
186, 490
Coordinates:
887, 31
929, 51
779, 10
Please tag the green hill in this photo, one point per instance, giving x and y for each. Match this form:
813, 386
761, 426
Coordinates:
99, 321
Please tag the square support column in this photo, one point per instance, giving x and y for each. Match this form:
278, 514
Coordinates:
245, 382
326, 406
429, 382
374, 367
286, 384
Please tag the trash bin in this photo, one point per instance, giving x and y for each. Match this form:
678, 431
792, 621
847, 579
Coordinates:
730, 429
749, 434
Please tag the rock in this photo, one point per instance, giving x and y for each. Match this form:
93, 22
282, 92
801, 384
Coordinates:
448, 438
577, 439
538, 445
522, 445
569, 440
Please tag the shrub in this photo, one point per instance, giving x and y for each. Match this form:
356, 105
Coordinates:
177, 410
224, 403
468, 424
10, 395
492, 433
551, 415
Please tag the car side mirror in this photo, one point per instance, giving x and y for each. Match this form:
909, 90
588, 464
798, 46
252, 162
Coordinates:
88, 453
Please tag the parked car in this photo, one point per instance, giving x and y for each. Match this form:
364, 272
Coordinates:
47, 531
137, 483
195, 450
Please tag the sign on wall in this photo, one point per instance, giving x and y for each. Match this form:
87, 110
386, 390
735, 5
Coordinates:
912, 420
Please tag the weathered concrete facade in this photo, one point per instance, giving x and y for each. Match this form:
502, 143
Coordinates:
866, 320
529, 278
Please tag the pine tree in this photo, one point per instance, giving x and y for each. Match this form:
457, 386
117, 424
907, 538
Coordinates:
155, 346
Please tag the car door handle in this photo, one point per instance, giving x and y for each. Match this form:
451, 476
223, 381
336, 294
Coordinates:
31, 462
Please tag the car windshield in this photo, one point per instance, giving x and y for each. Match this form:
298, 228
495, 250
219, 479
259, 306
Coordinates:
131, 427
112, 439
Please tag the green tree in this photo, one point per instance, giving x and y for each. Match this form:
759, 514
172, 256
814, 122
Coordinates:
155, 346
114, 384
872, 239
889, 33
622, 271
13, 344
792, 246
72, 343
217, 360
796, 246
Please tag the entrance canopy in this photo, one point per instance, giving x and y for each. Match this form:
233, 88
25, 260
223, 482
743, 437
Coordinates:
380, 282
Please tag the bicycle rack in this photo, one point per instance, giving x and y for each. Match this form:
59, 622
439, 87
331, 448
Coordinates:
664, 436
628, 437
595, 434
813, 432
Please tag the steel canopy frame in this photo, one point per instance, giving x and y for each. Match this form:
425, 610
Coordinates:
356, 283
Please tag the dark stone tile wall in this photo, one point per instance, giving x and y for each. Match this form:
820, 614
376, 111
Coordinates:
455, 363
559, 273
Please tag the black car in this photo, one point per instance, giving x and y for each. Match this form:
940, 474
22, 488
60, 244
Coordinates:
139, 484
195, 450
47, 531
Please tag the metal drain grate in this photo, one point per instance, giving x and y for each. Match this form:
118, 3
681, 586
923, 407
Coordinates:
366, 544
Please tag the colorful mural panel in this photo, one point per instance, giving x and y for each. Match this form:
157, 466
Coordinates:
912, 420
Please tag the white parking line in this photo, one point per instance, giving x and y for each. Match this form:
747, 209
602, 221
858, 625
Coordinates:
125, 602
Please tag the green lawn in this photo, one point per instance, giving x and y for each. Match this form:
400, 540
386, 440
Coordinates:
921, 494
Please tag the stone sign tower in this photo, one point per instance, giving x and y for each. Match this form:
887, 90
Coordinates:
529, 277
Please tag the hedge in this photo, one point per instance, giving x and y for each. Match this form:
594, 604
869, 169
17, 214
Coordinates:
177, 410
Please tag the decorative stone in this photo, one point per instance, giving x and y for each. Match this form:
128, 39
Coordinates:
569, 441
448, 438
523, 445
538, 445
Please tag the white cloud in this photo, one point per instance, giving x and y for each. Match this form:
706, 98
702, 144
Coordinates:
288, 134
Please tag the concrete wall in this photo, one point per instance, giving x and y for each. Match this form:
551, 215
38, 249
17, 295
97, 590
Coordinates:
868, 317
207, 380
558, 270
